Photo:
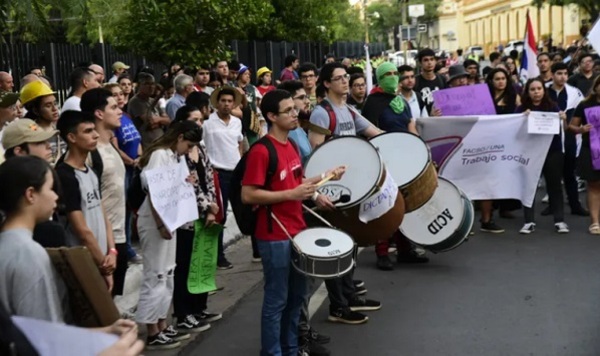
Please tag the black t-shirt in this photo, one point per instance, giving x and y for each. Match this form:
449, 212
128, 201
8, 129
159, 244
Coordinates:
425, 88
580, 113
582, 83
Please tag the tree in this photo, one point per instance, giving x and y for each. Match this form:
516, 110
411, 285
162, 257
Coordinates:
390, 15
186, 31
592, 7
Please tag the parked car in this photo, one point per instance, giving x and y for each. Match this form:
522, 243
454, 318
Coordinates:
478, 51
398, 58
513, 45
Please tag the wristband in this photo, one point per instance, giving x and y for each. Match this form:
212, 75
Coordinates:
315, 196
113, 251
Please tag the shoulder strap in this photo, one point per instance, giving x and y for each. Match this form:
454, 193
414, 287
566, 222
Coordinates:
332, 118
271, 169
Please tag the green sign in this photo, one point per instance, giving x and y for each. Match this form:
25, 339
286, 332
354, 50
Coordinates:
203, 265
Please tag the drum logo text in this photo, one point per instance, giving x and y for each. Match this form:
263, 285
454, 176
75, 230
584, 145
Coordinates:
439, 222
334, 252
334, 191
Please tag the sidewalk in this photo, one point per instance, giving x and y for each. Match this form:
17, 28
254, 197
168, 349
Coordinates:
237, 282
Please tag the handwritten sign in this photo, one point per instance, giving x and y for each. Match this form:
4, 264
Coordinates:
173, 198
203, 263
592, 116
594, 36
466, 100
543, 123
379, 203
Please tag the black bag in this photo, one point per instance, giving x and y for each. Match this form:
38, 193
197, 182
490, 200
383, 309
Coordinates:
136, 193
245, 214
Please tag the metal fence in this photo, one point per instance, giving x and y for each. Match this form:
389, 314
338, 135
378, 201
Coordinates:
59, 59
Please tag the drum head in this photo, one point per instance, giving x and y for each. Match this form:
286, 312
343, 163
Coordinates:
405, 155
364, 169
438, 219
323, 242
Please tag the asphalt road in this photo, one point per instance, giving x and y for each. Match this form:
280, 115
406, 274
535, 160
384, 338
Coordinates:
505, 294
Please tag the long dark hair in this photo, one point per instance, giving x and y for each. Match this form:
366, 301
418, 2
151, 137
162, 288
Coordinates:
527, 104
509, 95
16, 176
189, 129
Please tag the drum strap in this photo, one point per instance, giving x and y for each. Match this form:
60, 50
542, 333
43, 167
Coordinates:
309, 210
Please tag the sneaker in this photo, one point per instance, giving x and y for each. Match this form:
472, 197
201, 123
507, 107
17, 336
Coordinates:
175, 334
347, 316
224, 264
546, 199
527, 229
491, 226
561, 227
137, 259
190, 324
580, 211
209, 317
317, 337
360, 304
256, 259
411, 257
358, 283
161, 342
580, 185
303, 352
313, 348
384, 263
360, 290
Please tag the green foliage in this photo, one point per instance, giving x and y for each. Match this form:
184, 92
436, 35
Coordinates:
390, 15
592, 7
186, 31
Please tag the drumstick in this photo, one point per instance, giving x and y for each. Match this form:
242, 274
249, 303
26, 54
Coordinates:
328, 178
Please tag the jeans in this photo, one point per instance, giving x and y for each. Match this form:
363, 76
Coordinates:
224, 183
284, 292
311, 286
340, 291
184, 302
553, 173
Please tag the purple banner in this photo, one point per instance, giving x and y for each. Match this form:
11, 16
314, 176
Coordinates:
467, 100
592, 116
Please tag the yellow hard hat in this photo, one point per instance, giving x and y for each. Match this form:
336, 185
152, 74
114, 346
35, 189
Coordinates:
34, 90
261, 71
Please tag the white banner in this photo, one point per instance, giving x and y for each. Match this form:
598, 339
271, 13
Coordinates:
173, 198
488, 157
381, 202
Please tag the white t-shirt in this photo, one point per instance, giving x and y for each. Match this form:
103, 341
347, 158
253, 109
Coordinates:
113, 189
222, 141
73, 103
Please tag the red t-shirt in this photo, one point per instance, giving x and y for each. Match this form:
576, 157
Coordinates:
287, 176
263, 90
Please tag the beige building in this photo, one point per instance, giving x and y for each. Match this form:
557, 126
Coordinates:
488, 23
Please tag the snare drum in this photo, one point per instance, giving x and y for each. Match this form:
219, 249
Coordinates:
323, 253
408, 160
444, 222
364, 186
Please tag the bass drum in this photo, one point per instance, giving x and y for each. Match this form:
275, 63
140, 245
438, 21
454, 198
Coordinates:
364, 189
408, 160
444, 222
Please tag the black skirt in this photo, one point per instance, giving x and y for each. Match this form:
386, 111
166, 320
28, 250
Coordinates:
585, 169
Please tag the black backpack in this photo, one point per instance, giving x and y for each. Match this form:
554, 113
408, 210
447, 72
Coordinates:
246, 214
135, 192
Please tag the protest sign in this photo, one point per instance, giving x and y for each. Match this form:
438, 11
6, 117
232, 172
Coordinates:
466, 100
172, 197
203, 263
488, 157
592, 116
594, 36
544, 123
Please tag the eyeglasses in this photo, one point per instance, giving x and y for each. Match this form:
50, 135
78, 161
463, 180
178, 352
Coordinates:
301, 97
290, 111
308, 76
358, 86
346, 77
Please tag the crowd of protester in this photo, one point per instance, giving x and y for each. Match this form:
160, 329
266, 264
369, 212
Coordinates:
68, 169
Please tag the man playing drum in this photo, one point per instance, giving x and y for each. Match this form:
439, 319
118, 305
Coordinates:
391, 113
285, 287
344, 303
